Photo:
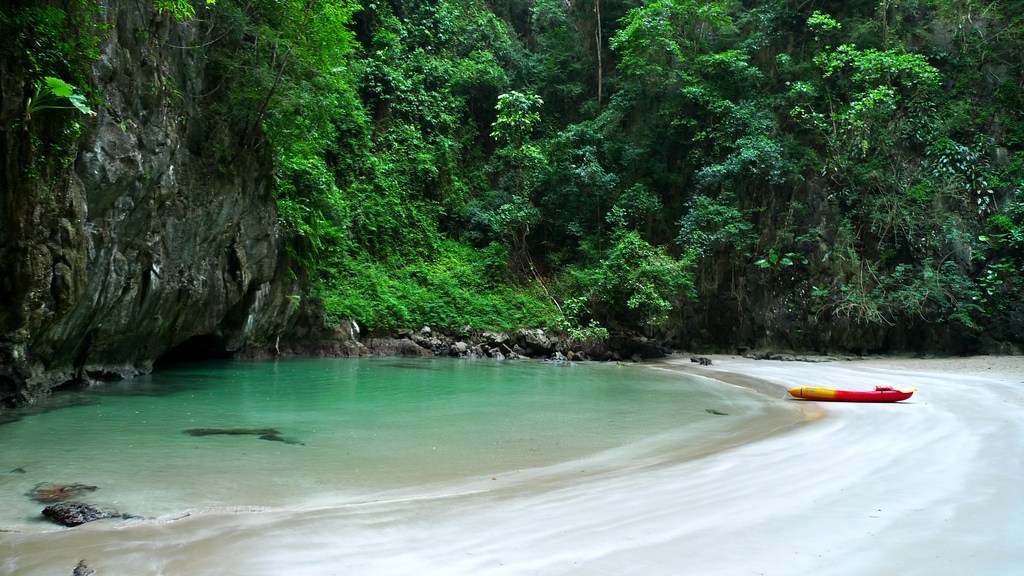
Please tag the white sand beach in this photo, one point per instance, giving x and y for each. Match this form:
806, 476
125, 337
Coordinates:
931, 486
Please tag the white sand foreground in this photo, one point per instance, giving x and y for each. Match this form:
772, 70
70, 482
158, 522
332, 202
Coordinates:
931, 486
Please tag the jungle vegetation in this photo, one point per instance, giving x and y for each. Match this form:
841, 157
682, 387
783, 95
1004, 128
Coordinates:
709, 169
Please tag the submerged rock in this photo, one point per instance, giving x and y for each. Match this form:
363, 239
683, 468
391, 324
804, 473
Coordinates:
231, 431
279, 438
270, 434
75, 513
82, 569
47, 493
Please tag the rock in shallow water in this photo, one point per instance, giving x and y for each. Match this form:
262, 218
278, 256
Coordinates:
75, 513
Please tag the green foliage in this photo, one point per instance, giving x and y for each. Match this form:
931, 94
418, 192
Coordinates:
963, 171
938, 293
634, 285
664, 34
687, 69
863, 98
180, 9
456, 287
906, 189
445, 162
1002, 251
637, 204
822, 24
49, 40
715, 225
577, 191
774, 261
308, 98
375, 116
518, 115
508, 211
52, 47
561, 63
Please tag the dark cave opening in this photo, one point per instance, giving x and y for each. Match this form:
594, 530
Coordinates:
195, 349
10, 395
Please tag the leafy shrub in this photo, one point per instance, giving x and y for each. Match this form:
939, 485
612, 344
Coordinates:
633, 286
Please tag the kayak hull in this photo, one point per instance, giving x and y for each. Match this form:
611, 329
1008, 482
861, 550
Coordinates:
880, 394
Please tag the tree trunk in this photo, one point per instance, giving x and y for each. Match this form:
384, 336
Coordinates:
599, 42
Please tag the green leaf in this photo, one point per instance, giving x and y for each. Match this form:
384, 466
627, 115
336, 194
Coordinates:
78, 101
59, 87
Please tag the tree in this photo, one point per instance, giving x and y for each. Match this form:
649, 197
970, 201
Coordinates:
516, 166
634, 286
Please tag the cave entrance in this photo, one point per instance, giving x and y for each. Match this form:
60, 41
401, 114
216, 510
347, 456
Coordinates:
196, 348
10, 395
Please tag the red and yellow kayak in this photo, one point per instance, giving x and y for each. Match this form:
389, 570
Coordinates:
879, 394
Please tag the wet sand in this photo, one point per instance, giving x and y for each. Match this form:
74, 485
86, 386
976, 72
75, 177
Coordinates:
930, 486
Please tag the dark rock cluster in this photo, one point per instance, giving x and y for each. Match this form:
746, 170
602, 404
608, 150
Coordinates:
76, 513
521, 343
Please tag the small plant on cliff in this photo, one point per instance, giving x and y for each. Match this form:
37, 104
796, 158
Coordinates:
55, 94
774, 261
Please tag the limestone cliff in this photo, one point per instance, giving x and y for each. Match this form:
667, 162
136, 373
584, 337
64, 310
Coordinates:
149, 237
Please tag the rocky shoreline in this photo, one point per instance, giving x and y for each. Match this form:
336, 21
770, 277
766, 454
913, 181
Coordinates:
500, 345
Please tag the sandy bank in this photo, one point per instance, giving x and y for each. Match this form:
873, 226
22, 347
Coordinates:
931, 486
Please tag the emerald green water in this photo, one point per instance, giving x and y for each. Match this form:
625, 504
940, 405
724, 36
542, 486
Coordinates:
353, 430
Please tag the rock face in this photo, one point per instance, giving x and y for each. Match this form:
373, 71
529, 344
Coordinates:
153, 236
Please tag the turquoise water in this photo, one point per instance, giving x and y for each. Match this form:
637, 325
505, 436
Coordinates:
349, 430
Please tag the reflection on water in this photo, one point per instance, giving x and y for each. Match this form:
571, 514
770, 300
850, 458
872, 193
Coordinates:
319, 432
